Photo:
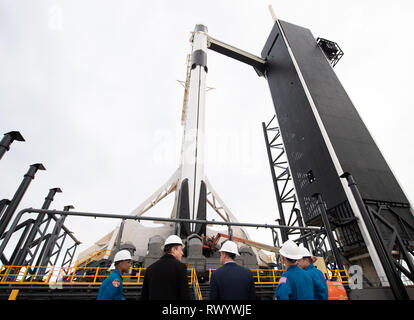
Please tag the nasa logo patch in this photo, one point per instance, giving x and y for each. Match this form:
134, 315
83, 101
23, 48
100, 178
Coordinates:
116, 283
283, 280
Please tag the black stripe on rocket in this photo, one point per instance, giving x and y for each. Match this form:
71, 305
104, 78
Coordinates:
183, 209
199, 58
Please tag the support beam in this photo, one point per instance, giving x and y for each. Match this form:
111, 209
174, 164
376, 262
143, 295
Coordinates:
120, 232
385, 258
69, 254
48, 253
21, 257
275, 185
328, 229
256, 62
3, 205
28, 177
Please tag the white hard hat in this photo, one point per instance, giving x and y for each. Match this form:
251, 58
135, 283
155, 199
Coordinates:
173, 239
304, 252
122, 255
290, 250
230, 246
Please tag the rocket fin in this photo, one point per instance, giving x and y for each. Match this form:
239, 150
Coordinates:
200, 228
183, 209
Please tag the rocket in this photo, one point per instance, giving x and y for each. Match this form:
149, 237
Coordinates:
192, 195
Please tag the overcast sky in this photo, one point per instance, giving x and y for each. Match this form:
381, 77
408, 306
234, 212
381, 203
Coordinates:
92, 86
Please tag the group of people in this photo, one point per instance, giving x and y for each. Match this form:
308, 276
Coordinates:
166, 279
301, 280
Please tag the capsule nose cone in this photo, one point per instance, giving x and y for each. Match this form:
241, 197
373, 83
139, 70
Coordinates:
200, 27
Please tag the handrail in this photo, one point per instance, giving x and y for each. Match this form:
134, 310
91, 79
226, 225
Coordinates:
261, 276
271, 276
91, 255
95, 255
339, 275
89, 276
96, 275
61, 276
194, 281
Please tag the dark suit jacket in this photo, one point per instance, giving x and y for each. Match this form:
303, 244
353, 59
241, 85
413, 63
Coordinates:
232, 282
166, 279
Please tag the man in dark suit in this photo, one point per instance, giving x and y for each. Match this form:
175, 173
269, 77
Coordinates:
166, 279
231, 281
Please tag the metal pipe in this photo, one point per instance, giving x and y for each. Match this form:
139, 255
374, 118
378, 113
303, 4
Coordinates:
301, 224
121, 230
230, 232
7, 140
50, 197
19, 260
129, 217
27, 225
396, 284
28, 177
329, 233
3, 204
307, 235
23, 224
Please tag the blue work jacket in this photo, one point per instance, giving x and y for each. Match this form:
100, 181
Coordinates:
111, 288
320, 288
295, 284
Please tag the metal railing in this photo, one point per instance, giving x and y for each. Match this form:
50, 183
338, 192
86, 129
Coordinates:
260, 276
96, 275
272, 277
338, 275
194, 283
82, 276
95, 255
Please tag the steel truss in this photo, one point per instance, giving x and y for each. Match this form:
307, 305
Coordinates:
47, 247
404, 254
397, 249
282, 181
322, 243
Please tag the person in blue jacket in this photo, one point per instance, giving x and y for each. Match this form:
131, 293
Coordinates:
320, 288
111, 287
295, 283
231, 281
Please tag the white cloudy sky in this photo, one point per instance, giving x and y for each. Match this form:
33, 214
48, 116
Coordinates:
92, 87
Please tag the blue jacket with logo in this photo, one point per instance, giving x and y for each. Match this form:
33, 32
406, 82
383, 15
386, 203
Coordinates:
295, 284
320, 288
111, 288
